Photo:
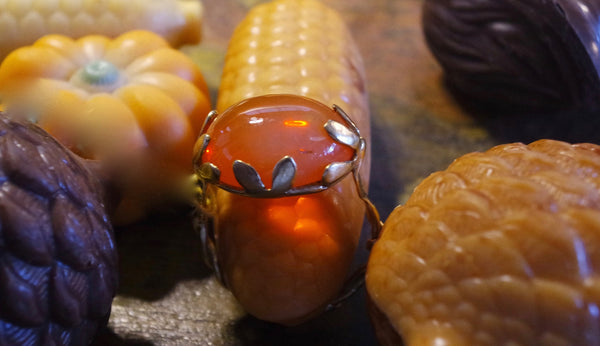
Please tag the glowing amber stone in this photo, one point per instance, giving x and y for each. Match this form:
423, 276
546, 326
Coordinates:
261, 130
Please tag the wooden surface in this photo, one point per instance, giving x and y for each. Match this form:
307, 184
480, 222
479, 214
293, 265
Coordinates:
167, 295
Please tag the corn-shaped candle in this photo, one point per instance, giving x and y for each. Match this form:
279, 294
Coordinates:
274, 161
22, 22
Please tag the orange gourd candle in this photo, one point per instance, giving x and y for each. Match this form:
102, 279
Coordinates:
133, 103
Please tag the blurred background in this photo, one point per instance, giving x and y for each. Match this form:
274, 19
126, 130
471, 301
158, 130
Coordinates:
168, 296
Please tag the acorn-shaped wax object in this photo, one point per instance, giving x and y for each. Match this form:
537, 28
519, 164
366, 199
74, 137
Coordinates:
58, 261
501, 248
533, 55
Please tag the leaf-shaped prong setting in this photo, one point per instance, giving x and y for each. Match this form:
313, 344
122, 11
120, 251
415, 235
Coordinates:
208, 172
347, 119
361, 151
283, 175
336, 171
203, 224
209, 119
342, 134
248, 177
199, 149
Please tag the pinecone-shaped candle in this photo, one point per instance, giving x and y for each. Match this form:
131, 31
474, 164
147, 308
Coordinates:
58, 261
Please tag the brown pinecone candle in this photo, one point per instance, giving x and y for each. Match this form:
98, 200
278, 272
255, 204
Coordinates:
58, 261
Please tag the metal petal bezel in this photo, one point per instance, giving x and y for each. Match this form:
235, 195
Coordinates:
342, 134
335, 171
283, 175
248, 177
285, 170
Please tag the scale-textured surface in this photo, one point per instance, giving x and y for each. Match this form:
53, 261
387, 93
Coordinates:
58, 261
500, 248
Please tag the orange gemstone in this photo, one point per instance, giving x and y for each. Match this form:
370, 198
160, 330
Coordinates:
260, 131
